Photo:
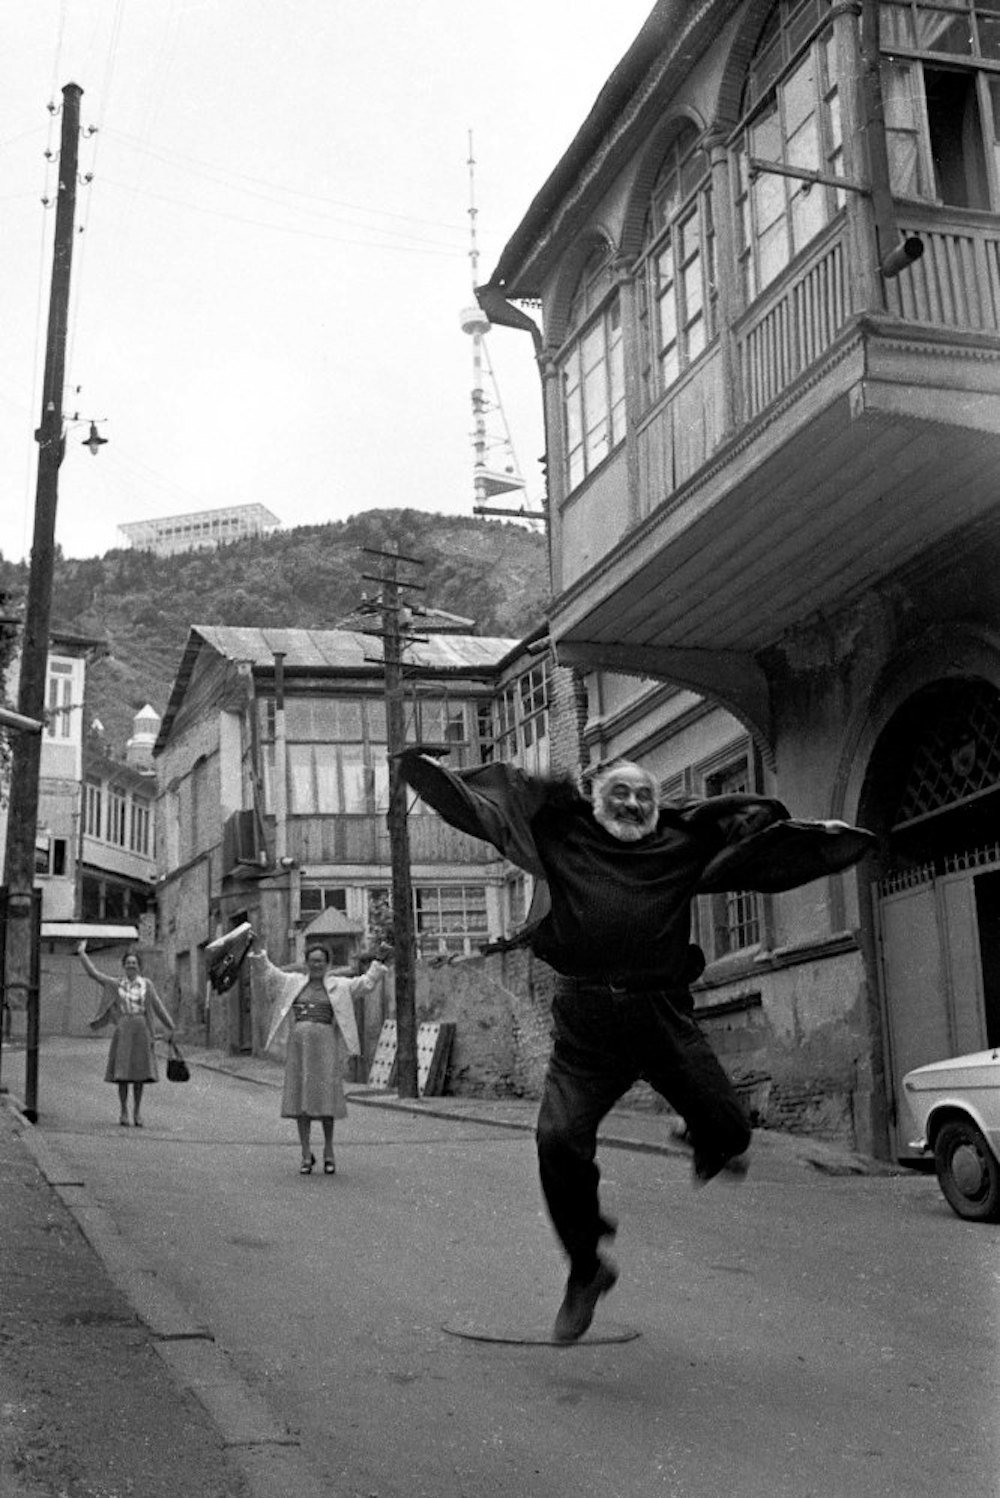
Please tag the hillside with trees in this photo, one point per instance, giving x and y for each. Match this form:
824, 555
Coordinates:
141, 606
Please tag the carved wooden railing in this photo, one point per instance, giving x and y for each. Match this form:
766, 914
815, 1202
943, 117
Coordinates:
957, 281
681, 432
790, 327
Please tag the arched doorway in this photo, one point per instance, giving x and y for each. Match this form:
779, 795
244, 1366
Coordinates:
932, 791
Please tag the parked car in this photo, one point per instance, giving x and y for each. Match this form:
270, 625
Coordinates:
956, 1108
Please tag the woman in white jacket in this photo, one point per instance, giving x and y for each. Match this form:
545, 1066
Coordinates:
316, 1012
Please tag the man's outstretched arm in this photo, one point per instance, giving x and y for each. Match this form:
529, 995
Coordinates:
493, 802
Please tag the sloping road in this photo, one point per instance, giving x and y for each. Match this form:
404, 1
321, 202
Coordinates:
802, 1336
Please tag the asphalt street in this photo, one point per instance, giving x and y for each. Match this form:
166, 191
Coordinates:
801, 1335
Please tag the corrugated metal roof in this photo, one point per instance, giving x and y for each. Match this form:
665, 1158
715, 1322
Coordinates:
328, 650
348, 649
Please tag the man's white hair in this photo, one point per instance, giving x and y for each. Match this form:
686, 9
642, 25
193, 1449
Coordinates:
613, 771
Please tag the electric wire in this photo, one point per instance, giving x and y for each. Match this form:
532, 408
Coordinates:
425, 247
219, 174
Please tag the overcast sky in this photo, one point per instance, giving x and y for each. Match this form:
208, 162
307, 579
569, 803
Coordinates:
275, 244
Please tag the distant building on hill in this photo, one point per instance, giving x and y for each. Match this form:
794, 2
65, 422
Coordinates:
201, 529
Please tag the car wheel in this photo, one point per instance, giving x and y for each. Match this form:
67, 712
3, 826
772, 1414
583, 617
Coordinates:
967, 1171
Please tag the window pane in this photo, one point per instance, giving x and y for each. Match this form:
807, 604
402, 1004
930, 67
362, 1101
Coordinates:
765, 135
670, 366
803, 146
768, 200
896, 26
327, 780
595, 398
668, 320
355, 777
300, 792
808, 216
799, 95
994, 133
937, 31
376, 722
773, 252
574, 419
691, 291
902, 140
989, 36
616, 373
592, 350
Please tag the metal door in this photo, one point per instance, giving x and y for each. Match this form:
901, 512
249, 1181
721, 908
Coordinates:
931, 970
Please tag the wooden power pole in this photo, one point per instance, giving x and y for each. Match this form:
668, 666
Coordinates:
21, 948
394, 636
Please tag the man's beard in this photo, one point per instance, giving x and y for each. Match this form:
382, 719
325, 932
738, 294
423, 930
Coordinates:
625, 830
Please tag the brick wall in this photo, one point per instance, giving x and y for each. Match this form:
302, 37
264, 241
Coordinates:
567, 718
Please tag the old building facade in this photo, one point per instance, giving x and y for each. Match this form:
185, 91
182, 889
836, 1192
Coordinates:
768, 274
273, 791
95, 863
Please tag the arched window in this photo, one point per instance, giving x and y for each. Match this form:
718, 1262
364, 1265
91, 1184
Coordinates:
676, 284
791, 117
592, 370
941, 91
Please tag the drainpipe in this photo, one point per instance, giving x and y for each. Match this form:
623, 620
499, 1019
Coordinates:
280, 762
894, 256
493, 301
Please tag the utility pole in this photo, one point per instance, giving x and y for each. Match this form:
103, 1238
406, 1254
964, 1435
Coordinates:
21, 946
399, 838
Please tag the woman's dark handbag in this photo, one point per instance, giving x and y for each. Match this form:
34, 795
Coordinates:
177, 1068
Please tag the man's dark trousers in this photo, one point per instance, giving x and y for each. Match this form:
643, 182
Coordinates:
606, 1039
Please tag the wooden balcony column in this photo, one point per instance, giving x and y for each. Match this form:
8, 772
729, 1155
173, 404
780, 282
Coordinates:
555, 459
633, 356
867, 287
730, 301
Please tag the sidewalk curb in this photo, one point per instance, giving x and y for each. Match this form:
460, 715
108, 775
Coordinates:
817, 1155
267, 1454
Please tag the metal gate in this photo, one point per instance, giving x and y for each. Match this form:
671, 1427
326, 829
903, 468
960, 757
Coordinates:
930, 951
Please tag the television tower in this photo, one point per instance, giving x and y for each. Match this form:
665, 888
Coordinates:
495, 469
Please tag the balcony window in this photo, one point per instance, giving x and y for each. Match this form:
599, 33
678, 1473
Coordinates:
93, 801
116, 818
592, 371
327, 778
941, 92
676, 285
139, 829
732, 921
791, 117
58, 722
517, 727
449, 918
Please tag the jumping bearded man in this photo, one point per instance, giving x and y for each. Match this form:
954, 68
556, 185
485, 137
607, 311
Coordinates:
611, 914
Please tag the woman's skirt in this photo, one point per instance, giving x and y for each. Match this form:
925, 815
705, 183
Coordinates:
313, 1072
131, 1057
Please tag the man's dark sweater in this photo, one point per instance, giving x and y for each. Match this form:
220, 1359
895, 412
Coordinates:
619, 907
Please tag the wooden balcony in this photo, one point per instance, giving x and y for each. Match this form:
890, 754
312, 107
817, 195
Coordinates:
359, 840
864, 440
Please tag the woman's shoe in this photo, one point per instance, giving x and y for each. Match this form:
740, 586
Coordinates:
137, 1122
123, 1120
329, 1167
305, 1169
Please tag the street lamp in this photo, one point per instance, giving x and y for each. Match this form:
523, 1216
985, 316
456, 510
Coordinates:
94, 441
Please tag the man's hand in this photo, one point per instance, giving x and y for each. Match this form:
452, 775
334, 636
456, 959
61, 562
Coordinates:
81, 948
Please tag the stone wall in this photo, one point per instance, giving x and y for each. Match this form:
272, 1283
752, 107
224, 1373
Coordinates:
806, 1082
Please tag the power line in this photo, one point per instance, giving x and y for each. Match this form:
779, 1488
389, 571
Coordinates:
420, 248
212, 172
